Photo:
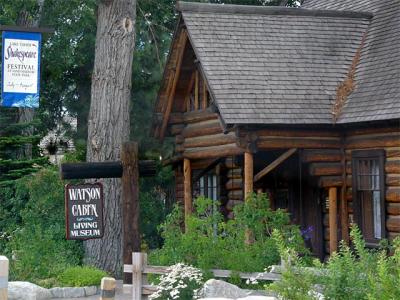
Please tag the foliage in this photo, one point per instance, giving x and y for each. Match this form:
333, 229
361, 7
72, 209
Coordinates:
181, 282
210, 242
357, 273
81, 276
35, 237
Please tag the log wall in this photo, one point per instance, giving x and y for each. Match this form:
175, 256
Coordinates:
234, 186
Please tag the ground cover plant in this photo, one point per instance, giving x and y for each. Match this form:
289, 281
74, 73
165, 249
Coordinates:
211, 242
355, 273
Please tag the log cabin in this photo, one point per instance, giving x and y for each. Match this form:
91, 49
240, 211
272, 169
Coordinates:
300, 103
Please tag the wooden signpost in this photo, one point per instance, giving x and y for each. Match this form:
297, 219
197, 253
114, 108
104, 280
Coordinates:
84, 211
129, 169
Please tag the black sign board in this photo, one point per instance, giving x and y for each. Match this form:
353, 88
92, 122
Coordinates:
84, 211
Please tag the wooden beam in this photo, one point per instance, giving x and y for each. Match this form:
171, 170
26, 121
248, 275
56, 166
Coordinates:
274, 164
130, 203
204, 94
188, 90
196, 91
187, 182
109, 169
248, 173
208, 168
344, 214
332, 219
170, 100
212, 151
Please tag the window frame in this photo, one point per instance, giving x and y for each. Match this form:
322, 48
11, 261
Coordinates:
378, 155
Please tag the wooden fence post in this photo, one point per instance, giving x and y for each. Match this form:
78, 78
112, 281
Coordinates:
107, 291
137, 279
3, 278
130, 195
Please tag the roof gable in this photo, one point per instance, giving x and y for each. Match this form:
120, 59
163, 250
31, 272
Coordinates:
273, 65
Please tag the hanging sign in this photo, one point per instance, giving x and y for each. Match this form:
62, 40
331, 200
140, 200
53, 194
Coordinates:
20, 69
84, 211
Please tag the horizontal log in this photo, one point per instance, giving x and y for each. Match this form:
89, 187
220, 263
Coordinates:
371, 130
393, 194
179, 139
232, 163
235, 195
392, 235
176, 129
362, 142
296, 142
393, 180
232, 203
325, 169
393, 208
193, 116
201, 164
234, 173
234, 184
393, 223
392, 167
202, 128
329, 155
179, 148
393, 152
214, 151
210, 140
330, 181
112, 169
295, 133
172, 160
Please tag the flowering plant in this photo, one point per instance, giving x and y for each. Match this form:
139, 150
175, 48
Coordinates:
181, 282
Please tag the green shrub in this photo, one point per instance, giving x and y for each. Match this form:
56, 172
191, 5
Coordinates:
81, 276
210, 242
36, 243
357, 273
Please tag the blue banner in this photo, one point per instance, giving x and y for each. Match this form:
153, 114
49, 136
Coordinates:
20, 69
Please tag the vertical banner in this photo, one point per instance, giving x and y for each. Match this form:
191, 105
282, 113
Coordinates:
20, 69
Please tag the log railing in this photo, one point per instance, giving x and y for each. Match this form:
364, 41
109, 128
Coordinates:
139, 269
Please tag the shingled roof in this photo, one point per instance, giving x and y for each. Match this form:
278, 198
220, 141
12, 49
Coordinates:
278, 65
377, 92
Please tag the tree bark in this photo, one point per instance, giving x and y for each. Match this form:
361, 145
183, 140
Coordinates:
108, 121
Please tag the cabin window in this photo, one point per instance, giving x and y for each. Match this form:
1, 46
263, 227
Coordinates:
207, 186
368, 194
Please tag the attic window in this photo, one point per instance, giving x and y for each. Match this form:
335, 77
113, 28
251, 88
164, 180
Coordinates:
198, 97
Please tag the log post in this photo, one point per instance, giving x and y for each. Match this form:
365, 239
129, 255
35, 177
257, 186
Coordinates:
137, 280
248, 173
130, 195
332, 219
4, 278
107, 288
187, 182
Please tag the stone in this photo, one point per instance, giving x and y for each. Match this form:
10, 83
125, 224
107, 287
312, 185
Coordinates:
68, 292
220, 289
21, 290
90, 290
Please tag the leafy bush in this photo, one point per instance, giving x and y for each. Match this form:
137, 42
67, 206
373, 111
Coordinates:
182, 282
36, 241
349, 274
210, 242
81, 276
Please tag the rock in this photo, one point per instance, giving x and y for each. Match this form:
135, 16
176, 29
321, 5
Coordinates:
67, 292
220, 289
21, 290
90, 290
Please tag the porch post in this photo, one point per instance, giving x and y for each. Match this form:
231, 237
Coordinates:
248, 173
332, 219
187, 182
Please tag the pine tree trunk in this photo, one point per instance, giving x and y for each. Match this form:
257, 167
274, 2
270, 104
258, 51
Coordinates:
109, 120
